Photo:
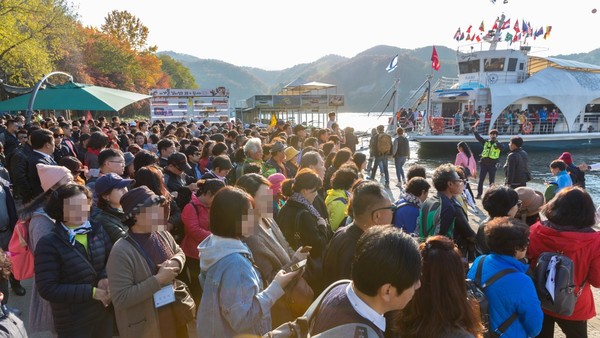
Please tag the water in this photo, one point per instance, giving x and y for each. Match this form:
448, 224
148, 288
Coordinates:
538, 160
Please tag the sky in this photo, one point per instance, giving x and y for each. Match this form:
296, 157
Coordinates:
275, 34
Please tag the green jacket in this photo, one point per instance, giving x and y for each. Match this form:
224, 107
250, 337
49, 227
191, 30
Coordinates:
337, 207
111, 222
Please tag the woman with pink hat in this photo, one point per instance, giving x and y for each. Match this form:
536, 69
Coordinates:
278, 198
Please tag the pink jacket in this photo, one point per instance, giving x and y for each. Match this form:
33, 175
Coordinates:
196, 224
462, 160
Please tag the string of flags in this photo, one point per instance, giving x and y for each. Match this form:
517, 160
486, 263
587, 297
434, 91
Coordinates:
519, 32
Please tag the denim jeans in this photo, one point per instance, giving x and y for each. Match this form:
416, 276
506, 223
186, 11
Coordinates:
381, 160
399, 163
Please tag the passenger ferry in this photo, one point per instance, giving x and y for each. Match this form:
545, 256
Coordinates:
515, 93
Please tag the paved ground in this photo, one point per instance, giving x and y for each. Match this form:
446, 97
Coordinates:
475, 218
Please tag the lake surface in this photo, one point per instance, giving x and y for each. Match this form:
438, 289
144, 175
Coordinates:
538, 160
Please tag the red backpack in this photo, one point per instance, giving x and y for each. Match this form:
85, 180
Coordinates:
19, 252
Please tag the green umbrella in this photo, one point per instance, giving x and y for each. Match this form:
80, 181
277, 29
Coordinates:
75, 96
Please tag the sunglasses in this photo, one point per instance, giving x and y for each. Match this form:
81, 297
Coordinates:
59, 136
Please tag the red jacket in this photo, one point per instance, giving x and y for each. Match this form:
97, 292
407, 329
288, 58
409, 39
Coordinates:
196, 224
583, 248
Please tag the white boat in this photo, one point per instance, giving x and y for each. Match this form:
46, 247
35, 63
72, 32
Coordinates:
509, 80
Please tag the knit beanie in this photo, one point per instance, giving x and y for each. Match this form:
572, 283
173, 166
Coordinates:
566, 157
276, 181
51, 174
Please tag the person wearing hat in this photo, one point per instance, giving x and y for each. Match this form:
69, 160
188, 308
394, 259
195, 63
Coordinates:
129, 170
279, 127
276, 181
177, 181
577, 175
145, 262
109, 189
291, 160
70, 266
300, 131
276, 164
532, 202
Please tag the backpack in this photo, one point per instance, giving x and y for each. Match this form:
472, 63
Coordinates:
558, 269
301, 326
476, 291
19, 252
384, 144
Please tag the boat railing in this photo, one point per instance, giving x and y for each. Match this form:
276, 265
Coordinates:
450, 126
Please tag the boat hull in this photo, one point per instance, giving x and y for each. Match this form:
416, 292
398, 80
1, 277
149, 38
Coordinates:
560, 142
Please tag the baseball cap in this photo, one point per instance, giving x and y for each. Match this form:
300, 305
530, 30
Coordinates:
128, 156
298, 128
111, 181
277, 147
179, 160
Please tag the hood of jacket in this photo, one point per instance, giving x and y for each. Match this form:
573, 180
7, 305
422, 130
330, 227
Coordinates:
552, 239
214, 248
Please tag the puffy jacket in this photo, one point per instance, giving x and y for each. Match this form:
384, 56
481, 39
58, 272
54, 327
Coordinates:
516, 168
196, 224
503, 304
583, 248
65, 275
18, 172
337, 204
311, 233
110, 220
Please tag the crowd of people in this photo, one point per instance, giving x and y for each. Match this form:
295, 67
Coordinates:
253, 223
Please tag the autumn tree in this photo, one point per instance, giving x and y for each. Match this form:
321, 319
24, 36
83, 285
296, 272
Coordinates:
125, 27
31, 36
180, 76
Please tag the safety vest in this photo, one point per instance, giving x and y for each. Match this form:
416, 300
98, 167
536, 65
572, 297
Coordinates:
490, 150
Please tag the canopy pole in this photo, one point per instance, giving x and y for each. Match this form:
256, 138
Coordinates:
35, 91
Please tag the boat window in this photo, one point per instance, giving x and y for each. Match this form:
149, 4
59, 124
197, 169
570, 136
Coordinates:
521, 66
493, 65
512, 64
471, 66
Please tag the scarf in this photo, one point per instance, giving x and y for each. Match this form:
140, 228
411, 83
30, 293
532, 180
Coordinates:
300, 199
80, 230
410, 198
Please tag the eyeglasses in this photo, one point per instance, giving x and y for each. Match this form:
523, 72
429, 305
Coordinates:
119, 162
59, 136
519, 204
22, 137
392, 207
460, 180
197, 153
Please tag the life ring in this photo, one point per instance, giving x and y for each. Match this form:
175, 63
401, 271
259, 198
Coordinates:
527, 128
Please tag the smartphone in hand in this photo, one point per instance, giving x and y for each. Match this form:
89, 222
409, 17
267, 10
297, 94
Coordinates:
297, 266
306, 249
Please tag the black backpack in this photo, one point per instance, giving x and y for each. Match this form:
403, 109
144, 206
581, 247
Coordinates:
476, 290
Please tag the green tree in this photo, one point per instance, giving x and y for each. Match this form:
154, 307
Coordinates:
31, 36
125, 27
180, 76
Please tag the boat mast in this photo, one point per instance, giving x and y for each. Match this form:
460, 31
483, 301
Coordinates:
498, 32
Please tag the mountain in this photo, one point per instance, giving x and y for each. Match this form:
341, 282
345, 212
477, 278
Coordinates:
362, 78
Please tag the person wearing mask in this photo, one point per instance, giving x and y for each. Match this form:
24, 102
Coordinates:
70, 266
571, 216
442, 287
520, 308
195, 218
109, 189
516, 168
142, 264
488, 159
234, 301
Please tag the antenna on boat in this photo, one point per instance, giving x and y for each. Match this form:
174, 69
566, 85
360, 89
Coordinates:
498, 32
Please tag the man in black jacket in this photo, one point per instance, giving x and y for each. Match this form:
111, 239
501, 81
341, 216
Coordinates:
370, 206
516, 167
42, 142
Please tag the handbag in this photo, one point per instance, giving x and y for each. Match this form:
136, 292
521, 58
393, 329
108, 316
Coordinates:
183, 307
299, 295
21, 256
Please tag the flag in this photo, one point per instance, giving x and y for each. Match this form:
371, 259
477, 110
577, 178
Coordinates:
516, 27
538, 32
495, 26
517, 37
273, 122
506, 24
508, 37
457, 34
435, 61
524, 28
481, 28
462, 36
468, 37
547, 34
393, 64
478, 38
529, 29
469, 29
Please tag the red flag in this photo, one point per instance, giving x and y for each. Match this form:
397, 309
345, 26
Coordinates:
88, 116
516, 27
435, 61
506, 24
457, 34
495, 25
469, 29
478, 38
468, 37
